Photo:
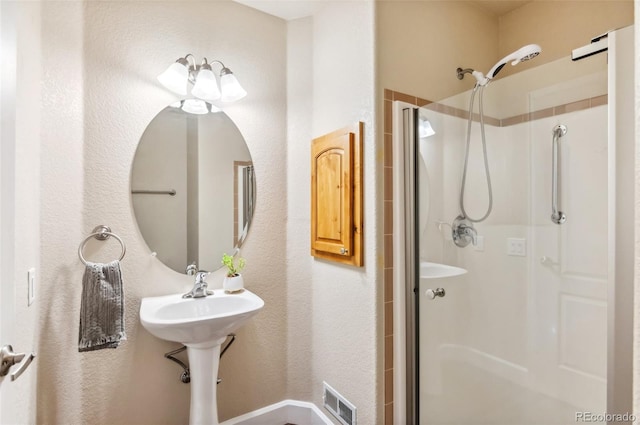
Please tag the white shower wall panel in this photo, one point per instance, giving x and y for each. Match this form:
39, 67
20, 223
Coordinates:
568, 292
540, 326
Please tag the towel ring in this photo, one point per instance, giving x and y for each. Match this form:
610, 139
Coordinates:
101, 233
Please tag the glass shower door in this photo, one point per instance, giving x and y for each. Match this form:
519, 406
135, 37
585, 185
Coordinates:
511, 329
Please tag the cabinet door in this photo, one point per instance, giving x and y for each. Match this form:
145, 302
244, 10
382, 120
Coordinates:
332, 194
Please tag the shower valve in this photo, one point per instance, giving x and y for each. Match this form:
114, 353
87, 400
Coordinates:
463, 232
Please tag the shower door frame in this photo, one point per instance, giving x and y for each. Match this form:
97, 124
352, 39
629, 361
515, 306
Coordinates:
405, 311
621, 249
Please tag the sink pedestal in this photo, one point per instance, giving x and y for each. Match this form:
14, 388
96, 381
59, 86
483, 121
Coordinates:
204, 360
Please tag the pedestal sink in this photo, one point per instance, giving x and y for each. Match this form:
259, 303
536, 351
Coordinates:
202, 324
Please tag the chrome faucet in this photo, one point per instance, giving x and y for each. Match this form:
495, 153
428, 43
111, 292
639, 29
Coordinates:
200, 286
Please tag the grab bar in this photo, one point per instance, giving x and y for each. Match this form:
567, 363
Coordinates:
171, 192
557, 216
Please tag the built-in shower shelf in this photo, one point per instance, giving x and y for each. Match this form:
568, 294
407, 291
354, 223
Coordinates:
437, 271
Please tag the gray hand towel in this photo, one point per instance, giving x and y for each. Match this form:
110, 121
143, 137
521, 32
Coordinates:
102, 307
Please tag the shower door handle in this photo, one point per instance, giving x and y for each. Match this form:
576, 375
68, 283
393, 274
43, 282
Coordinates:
557, 216
433, 293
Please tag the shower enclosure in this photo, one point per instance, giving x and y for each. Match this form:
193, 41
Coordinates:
529, 321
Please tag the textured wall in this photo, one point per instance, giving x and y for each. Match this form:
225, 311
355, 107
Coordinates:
339, 303
100, 92
299, 273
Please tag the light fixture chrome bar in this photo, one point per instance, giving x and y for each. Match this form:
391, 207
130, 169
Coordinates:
171, 192
598, 45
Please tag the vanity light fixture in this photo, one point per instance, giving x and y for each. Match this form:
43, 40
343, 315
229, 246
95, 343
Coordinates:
182, 72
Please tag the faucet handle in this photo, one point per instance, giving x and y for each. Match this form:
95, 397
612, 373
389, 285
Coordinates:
191, 269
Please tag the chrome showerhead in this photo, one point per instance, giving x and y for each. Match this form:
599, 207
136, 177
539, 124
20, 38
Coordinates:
523, 54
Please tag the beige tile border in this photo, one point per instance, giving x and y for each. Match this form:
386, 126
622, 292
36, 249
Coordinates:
389, 96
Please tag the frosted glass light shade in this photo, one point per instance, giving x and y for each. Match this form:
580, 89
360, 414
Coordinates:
231, 88
195, 106
206, 86
175, 78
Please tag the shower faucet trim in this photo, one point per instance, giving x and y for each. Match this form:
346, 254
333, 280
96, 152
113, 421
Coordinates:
463, 232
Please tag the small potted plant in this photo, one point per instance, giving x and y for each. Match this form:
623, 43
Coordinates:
233, 281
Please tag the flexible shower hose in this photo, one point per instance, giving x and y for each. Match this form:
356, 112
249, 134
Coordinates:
466, 158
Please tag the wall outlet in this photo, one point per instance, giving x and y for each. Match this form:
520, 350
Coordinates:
31, 286
517, 247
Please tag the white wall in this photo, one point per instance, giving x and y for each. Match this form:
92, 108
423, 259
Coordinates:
339, 303
299, 272
99, 94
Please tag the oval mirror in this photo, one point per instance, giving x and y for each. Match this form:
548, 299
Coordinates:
193, 187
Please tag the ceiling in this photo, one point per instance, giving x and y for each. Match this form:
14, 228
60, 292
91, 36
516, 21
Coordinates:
285, 9
294, 9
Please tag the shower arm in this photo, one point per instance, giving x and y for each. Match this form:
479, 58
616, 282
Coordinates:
481, 80
461, 72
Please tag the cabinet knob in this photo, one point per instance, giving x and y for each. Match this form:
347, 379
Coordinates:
344, 251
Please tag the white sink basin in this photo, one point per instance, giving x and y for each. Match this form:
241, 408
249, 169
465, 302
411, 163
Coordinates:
437, 271
198, 320
202, 324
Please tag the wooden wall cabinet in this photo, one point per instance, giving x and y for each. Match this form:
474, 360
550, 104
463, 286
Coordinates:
336, 196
